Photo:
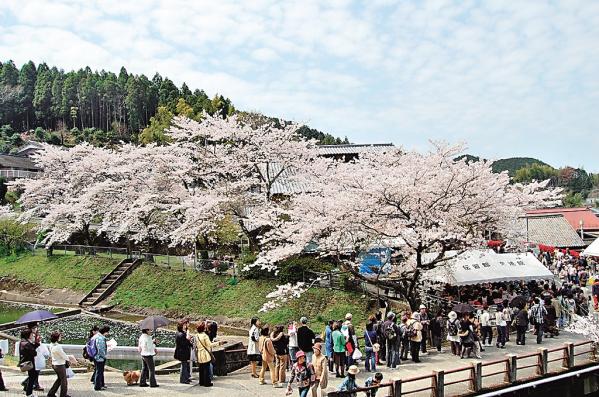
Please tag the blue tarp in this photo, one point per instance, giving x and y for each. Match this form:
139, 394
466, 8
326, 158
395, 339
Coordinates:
371, 261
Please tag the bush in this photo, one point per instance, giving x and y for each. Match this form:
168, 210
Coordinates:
301, 268
13, 236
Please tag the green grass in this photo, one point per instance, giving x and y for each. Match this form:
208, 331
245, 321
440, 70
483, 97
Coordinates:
78, 273
181, 293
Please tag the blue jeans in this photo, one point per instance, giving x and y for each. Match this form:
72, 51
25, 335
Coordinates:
392, 355
309, 357
370, 362
185, 372
303, 391
99, 381
292, 351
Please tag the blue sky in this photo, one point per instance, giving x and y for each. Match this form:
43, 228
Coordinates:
509, 78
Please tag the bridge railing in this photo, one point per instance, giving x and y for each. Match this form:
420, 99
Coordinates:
501, 372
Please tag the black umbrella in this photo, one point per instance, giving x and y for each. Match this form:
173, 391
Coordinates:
462, 308
154, 322
518, 301
35, 317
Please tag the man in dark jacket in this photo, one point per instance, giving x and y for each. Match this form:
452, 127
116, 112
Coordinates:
183, 352
305, 339
521, 326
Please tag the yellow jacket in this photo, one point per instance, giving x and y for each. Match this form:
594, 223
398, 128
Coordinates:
204, 347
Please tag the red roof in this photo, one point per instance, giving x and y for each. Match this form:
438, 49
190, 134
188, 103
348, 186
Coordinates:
573, 216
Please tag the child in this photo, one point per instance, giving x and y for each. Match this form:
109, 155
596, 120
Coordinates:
349, 383
373, 381
303, 373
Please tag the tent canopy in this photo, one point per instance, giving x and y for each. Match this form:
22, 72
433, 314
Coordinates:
475, 267
593, 249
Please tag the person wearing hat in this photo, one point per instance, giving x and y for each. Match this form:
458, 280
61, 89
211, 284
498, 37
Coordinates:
302, 373
415, 333
453, 330
349, 383
305, 338
320, 365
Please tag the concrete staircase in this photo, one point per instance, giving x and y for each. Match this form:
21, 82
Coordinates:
110, 282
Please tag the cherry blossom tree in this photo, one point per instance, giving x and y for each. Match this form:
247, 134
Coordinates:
415, 203
585, 325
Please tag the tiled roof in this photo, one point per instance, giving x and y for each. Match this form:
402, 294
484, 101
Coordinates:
573, 215
551, 229
16, 162
332, 150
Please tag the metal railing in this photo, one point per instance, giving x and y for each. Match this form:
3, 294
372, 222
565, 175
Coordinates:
571, 355
14, 174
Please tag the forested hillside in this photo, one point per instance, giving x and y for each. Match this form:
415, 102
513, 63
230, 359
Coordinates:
99, 106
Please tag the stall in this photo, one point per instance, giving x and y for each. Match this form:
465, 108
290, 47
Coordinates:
593, 249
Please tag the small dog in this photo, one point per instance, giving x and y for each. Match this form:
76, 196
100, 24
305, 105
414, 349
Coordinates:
131, 377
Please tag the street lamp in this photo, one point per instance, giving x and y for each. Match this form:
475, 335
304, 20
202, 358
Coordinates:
581, 223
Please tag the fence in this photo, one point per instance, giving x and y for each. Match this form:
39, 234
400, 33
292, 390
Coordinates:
483, 375
199, 263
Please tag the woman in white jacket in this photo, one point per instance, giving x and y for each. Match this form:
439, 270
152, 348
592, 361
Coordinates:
59, 364
253, 353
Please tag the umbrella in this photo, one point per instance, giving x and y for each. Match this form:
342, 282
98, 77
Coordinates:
518, 301
154, 322
35, 317
462, 308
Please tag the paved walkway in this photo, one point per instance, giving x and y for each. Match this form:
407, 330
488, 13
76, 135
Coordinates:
240, 384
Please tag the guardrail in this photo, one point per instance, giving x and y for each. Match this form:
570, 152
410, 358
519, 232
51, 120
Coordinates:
474, 375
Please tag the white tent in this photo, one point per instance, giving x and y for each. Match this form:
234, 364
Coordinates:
593, 249
475, 267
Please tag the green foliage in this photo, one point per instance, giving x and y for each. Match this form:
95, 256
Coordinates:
154, 133
79, 273
535, 172
573, 200
13, 236
298, 269
511, 165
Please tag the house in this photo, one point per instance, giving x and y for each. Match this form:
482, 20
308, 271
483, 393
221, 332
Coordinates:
583, 220
351, 151
13, 167
29, 148
551, 230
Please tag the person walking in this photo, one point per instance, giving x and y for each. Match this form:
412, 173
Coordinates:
146, 346
436, 329
414, 330
302, 373
267, 350
370, 343
100, 358
321, 373
204, 354
305, 338
485, 327
466, 338
328, 344
60, 361
501, 327
537, 318
183, 347
292, 332
280, 342
521, 326
453, 330
27, 353
339, 342
253, 353
91, 350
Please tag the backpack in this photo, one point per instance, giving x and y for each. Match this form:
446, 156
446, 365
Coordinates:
410, 331
390, 332
91, 349
453, 328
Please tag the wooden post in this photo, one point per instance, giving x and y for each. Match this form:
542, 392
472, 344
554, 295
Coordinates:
542, 361
439, 389
477, 369
593, 351
569, 355
397, 388
512, 368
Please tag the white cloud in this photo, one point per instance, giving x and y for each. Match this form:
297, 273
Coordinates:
509, 77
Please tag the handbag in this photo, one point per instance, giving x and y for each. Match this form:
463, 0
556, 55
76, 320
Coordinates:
357, 354
26, 366
70, 373
375, 346
349, 347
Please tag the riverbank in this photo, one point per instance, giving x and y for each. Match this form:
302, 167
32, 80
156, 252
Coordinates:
61, 280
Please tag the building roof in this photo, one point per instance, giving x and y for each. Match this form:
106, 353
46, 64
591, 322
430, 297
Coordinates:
590, 221
16, 162
334, 150
28, 147
551, 229
286, 183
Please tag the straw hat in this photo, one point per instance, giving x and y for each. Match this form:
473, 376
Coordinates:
353, 370
348, 316
452, 315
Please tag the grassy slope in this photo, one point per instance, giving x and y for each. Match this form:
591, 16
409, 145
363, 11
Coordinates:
180, 292
183, 293
78, 273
